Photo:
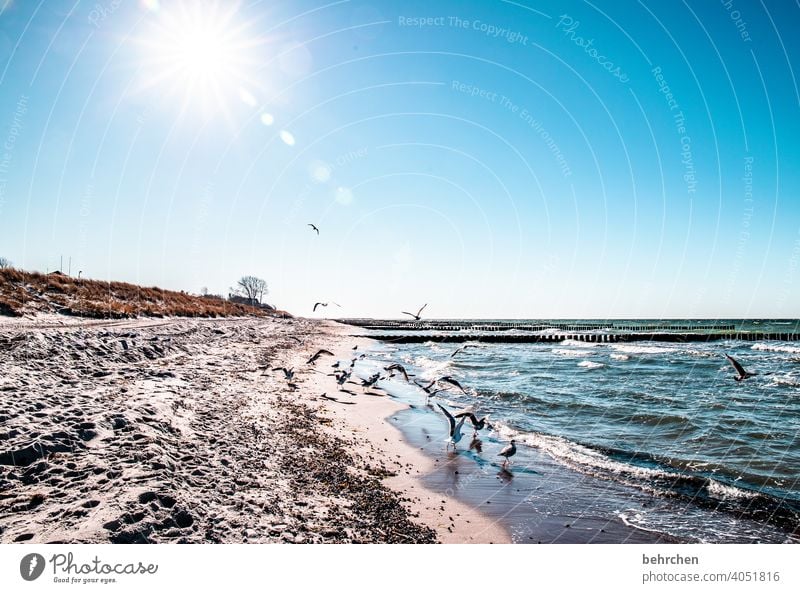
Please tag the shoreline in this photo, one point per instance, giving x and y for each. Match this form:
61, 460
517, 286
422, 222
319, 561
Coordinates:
455, 521
502, 499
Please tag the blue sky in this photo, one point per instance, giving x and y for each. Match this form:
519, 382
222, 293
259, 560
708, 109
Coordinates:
492, 159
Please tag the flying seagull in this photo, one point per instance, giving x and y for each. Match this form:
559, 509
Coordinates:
476, 424
323, 305
397, 367
371, 381
741, 374
508, 451
455, 428
428, 389
319, 353
314, 227
342, 377
464, 347
287, 373
417, 316
451, 381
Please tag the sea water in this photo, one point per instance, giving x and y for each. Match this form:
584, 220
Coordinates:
664, 418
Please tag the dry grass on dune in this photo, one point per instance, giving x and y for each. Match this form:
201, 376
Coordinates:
30, 292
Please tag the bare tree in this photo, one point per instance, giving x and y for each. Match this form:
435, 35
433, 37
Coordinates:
252, 288
4, 263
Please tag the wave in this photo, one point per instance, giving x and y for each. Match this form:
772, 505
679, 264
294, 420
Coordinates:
568, 352
786, 380
635, 349
620, 357
699, 353
649, 474
775, 348
579, 344
588, 364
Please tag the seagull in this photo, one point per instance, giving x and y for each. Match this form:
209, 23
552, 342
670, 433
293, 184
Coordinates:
323, 305
397, 367
451, 381
508, 451
287, 373
314, 227
319, 353
476, 424
428, 389
417, 316
455, 428
342, 377
464, 347
741, 373
371, 381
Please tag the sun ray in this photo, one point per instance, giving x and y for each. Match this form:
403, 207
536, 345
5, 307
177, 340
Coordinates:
201, 52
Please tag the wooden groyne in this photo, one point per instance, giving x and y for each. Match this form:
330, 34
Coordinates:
509, 338
497, 326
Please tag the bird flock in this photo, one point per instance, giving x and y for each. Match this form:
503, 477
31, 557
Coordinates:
343, 375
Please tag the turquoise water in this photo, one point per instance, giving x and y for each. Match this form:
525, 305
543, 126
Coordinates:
664, 418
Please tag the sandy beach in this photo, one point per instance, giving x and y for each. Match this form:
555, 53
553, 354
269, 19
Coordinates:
176, 430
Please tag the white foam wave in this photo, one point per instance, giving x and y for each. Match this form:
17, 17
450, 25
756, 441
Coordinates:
788, 380
636, 349
579, 344
775, 348
588, 364
699, 353
620, 357
723, 491
587, 460
568, 352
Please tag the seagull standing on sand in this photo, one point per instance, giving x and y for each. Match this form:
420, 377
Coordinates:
417, 316
741, 374
455, 427
314, 227
508, 451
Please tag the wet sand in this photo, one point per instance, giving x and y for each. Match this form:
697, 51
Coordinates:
536, 499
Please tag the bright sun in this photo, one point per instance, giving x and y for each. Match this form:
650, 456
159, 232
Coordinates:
198, 51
